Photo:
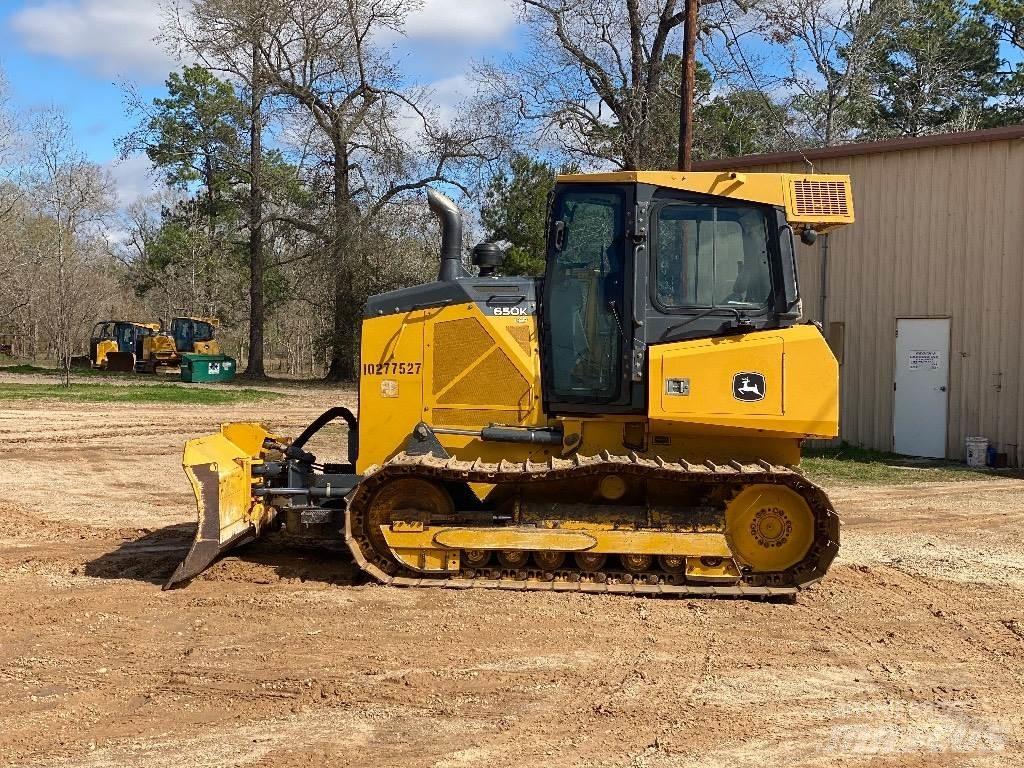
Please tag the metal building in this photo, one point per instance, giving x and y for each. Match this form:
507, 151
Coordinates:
921, 299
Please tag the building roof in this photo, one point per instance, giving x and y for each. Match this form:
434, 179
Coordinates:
867, 148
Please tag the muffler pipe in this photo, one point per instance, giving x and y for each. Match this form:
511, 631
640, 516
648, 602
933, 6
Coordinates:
450, 216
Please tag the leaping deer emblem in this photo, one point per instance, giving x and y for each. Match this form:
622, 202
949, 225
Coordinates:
746, 388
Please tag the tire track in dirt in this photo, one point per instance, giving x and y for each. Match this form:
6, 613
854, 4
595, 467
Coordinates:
275, 658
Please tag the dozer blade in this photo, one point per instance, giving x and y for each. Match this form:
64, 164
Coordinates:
220, 469
123, 362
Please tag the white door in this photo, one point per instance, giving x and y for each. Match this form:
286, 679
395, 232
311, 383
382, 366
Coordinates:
922, 382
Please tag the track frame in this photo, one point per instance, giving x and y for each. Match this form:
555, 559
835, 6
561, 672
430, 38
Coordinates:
784, 584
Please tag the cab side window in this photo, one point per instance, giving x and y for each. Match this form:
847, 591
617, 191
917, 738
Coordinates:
711, 256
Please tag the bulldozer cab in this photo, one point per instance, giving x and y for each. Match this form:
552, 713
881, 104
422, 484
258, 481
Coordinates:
187, 331
129, 336
100, 332
117, 336
636, 259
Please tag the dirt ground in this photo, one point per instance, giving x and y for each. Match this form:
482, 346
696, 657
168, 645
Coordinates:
911, 653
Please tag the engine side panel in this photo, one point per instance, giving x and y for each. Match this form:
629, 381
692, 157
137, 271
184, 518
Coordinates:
778, 383
391, 375
452, 367
483, 369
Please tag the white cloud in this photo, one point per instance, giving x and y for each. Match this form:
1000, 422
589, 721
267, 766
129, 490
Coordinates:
111, 37
446, 97
116, 37
449, 93
470, 20
133, 178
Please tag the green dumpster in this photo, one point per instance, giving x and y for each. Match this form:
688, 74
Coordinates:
206, 368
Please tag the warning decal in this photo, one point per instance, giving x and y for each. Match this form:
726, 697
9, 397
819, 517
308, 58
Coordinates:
925, 360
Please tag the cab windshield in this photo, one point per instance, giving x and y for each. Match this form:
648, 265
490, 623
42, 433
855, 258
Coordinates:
584, 295
203, 331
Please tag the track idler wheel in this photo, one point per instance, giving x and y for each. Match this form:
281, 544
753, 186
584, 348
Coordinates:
770, 527
408, 499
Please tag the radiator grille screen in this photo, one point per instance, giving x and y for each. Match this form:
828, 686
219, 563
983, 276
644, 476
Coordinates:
494, 381
820, 198
521, 334
457, 343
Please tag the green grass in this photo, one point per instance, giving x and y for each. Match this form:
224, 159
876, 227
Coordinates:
25, 368
38, 370
149, 393
859, 466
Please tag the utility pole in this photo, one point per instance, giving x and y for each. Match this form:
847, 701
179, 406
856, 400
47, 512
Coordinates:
257, 301
688, 86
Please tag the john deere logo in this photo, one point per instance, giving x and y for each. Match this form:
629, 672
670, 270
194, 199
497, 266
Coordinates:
748, 387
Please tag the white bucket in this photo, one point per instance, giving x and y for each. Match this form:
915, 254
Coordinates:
977, 451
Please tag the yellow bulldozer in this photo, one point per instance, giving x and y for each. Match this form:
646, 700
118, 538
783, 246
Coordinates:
123, 345
168, 346
631, 422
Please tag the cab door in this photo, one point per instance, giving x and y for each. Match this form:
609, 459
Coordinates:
125, 335
181, 329
586, 308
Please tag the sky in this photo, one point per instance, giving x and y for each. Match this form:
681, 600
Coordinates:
78, 54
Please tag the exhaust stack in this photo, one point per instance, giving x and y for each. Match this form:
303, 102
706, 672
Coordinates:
451, 235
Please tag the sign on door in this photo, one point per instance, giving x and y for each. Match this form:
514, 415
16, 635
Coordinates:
921, 392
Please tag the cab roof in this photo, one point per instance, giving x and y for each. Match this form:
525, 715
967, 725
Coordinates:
151, 326
818, 200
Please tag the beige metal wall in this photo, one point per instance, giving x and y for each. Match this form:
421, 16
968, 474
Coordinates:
939, 233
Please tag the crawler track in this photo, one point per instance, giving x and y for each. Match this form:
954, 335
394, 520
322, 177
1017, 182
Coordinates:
760, 585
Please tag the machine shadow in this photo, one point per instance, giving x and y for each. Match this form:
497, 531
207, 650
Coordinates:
153, 556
